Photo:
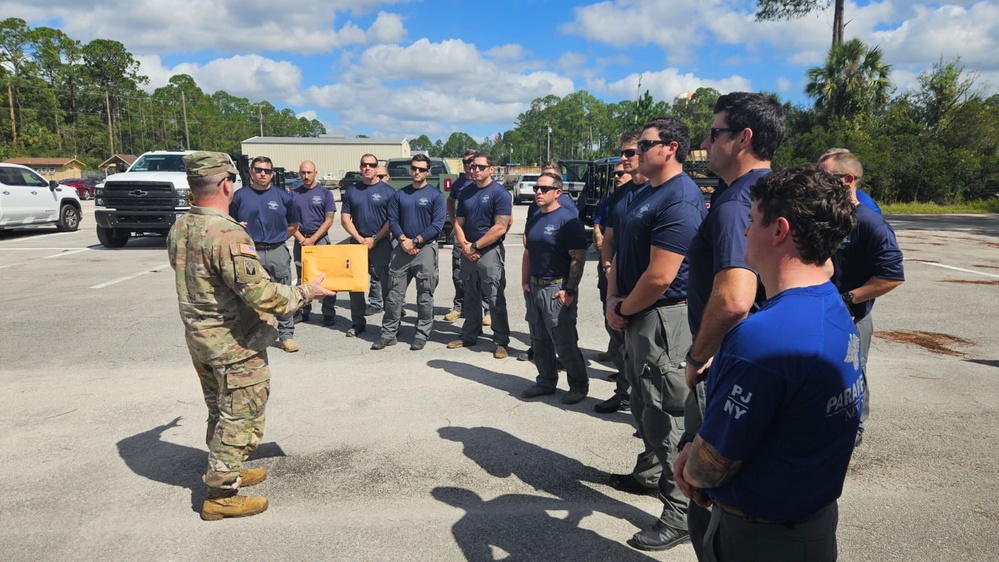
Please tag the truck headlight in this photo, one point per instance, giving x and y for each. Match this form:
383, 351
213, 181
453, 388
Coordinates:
99, 195
184, 197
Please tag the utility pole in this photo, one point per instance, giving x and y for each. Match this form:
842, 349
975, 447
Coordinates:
260, 112
13, 124
183, 105
107, 105
549, 159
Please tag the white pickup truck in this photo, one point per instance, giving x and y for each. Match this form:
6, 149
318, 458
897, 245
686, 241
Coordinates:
146, 199
27, 199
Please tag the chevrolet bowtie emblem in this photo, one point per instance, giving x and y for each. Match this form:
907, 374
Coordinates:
137, 193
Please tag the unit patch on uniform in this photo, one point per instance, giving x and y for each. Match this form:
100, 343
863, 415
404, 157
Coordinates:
247, 250
272, 205
376, 196
424, 201
641, 212
550, 229
317, 200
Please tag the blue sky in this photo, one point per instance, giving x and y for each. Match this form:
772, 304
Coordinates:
405, 68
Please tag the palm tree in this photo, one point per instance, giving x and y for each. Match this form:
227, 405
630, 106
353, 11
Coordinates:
771, 10
853, 82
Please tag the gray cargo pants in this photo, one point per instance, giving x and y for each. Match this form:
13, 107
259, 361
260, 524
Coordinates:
378, 267
553, 330
485, 280
277, 262
403, 268
655, 343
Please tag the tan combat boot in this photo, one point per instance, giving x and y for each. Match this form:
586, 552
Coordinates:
214, 509
252, 477
452, 316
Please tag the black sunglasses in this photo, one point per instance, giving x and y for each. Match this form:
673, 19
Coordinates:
258, 170
381, 176
479, 167
618, 174
715, 130
418, 169
369, 165
646, 145
544, 188
629, 153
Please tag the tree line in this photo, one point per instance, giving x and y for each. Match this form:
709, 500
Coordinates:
63, 97
937, 142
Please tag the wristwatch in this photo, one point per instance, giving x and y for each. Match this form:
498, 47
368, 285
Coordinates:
571, 292
847, 297
475, 247
374, 237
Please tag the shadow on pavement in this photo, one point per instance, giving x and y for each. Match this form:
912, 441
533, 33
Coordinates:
523, 525
148, 455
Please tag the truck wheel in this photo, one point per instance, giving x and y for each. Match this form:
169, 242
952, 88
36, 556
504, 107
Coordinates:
69, 218
112, 237
87, 196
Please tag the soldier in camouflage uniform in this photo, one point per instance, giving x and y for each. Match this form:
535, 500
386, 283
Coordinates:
227, 302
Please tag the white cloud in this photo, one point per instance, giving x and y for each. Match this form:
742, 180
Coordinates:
226, 26
666, 84
249, 76
783, 84
508, 52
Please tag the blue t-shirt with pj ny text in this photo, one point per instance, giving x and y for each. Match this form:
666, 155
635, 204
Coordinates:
548, 238
480, 206
784, 396
267, 213
367, 206
664, 217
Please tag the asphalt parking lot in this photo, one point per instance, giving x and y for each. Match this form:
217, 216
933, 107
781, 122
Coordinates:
431, 455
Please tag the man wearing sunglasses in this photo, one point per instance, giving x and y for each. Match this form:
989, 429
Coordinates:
647, 300
481, 224
365, 218
722, 289
463, 182
416, 219
316, 210
270, 218
554, 256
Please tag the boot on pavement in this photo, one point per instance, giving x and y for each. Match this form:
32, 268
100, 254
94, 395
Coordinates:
215, 509
252, 477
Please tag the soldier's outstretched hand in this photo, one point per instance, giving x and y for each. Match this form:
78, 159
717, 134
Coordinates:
319, 290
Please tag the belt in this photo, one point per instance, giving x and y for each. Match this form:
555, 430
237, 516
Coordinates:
736, 512
263, 246
547, 282
661, 303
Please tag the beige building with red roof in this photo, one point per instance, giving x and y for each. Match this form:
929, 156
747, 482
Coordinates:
52, 168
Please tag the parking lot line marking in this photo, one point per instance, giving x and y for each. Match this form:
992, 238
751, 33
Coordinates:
65, 253
956, 268
62, 252
38, 249
127, 277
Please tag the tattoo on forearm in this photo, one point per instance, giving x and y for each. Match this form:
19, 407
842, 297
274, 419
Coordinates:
504, 220
330, 214
576, 266
708, 466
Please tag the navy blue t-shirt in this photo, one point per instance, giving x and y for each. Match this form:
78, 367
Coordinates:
784, 396
564, 201
367, 206
312, 206
720, 243
664, 217
267, 213
869, 251
460, 183
480, 207
622, 200
866, 201
603, 213
417, 212
548, 238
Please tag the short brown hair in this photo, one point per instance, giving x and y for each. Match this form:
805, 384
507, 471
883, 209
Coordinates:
556, 180
630, 137
844, 163
260, 159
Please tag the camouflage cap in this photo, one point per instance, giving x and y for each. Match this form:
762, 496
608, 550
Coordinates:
208, 164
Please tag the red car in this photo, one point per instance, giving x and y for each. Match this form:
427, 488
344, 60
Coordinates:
85, 187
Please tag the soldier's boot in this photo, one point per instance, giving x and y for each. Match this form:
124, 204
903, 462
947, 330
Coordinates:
216, 508
252, 477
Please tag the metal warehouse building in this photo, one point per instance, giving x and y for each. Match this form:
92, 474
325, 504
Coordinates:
333, 156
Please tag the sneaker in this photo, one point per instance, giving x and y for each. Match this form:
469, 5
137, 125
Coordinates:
452, 316
501, 352
252, 477
616, 403
381, 344
354, 332
573, 397
459, 343
288, 345
418, 345
527, 355
535, 391
487, 320
215, 509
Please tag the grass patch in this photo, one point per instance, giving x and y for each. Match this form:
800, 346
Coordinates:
968, 207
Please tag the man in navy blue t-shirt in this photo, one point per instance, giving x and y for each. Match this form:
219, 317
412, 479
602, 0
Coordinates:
867, 265
647, 299
365, 218
784, 392
862, 197
554, 256
459, 186
482, 221
722, 290
416, 219
316, 210
269, 216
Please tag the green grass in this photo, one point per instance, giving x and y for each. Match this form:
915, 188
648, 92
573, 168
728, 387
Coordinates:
968, 207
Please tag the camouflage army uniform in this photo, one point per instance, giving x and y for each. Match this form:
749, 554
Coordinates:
221, 287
